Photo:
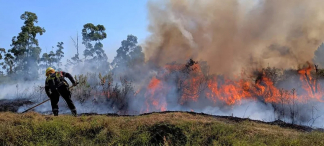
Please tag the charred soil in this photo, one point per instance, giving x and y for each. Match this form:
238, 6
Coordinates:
13, 105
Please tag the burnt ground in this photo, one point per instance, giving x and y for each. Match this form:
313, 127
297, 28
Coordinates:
13, 106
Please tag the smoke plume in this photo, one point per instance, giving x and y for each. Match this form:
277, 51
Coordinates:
233, 34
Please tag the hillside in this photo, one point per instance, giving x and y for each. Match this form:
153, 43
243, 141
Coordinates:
168, 128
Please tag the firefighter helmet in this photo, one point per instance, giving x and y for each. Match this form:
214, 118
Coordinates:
49, 70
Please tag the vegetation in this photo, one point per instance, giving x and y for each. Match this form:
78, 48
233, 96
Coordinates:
119, 95
159, 128
24, 60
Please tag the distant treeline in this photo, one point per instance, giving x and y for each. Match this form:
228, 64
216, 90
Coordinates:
24, 61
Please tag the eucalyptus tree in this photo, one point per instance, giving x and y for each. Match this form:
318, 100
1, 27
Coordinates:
129, 54
92, 35
25, 47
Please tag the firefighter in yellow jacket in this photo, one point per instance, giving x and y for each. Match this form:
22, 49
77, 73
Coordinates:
56, 85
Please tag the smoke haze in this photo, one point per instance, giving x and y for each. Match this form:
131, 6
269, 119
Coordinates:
233, 34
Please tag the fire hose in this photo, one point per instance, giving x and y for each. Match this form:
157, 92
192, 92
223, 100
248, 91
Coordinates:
42, 102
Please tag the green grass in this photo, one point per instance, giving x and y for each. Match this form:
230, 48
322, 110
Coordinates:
153, 129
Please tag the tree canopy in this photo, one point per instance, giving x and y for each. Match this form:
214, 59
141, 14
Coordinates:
25, 47
129, 53
92, 33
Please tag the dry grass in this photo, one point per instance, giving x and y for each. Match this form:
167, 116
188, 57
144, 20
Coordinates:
157, 128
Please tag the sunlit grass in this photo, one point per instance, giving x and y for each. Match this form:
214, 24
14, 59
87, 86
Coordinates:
157, 128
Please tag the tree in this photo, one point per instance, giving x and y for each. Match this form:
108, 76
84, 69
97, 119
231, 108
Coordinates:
94, 54
129, 54
43, 62
25, 46
92, 33
59, 54
76, 57
2, 50
48, 59
75, 60
8, 63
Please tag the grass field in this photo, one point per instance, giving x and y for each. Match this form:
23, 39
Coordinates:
172, 128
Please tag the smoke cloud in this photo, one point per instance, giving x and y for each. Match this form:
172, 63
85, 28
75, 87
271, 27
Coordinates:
233, 34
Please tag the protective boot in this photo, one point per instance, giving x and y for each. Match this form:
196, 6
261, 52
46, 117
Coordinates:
74, 113
55, 113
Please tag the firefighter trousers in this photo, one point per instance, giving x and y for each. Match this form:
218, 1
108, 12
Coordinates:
66, 94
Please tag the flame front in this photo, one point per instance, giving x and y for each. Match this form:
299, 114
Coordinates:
155, 99
195, 85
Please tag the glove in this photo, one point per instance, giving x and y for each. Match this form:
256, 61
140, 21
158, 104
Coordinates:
48, 93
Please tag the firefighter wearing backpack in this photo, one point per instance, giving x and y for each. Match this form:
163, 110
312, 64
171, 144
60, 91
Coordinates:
56, 85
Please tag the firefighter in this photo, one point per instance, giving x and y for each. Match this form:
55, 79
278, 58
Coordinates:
56, 85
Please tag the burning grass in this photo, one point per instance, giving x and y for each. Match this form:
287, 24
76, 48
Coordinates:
293, 96
290, 95
169, 128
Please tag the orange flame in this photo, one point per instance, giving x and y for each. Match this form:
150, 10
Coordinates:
196, 85
155, 88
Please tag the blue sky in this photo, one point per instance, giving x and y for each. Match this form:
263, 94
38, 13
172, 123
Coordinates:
64, 18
